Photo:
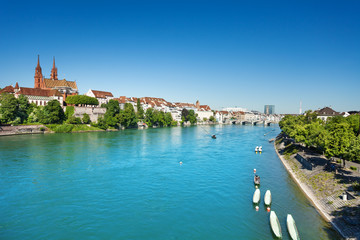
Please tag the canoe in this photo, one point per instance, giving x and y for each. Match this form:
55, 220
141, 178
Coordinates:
256, 197
267, 198
275, 225
291, 226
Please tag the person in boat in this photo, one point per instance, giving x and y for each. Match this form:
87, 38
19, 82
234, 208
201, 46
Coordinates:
257, 179
213, 136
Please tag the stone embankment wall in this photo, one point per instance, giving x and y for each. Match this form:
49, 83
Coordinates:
14, 130
93, 112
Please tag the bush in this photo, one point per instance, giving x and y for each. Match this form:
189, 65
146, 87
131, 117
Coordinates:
16, 122
63, 128
356, 186
290, 149
73, 120
42, 129
101, 123
86, 119
174, 123
81, 100
353, 168
69, 111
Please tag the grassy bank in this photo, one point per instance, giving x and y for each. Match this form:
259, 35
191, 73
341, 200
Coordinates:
67, 128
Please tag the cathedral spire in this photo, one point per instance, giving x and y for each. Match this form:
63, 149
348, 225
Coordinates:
53, 74
38, 75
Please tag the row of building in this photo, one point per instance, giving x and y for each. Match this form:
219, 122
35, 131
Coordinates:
47, 89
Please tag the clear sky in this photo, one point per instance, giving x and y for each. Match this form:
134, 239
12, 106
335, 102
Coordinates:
222, 53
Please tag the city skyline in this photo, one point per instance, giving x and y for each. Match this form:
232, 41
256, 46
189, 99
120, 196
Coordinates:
224, 55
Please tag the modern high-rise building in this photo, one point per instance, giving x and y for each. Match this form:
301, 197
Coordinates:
269, 109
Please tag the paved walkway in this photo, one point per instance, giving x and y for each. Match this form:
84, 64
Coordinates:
343, 215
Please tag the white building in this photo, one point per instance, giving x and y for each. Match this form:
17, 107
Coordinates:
101, 96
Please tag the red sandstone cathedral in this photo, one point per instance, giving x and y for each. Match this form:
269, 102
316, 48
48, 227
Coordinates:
63, 86
45, 89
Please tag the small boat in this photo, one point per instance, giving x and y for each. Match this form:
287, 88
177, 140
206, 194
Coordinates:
257, 179
260, 149
290, 222
213, 136
257, 148
275, 225
267, 198
256, 197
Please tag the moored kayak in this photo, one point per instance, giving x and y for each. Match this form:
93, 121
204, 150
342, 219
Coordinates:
291, 226
275, 225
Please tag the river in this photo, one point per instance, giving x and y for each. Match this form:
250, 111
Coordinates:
130, 185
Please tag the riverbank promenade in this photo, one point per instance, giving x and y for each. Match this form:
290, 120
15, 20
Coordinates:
327, 185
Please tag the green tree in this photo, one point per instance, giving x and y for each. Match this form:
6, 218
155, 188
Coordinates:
149, 117
86, 119
184, 115
53, 113
23, 109
140, 110
339, 140
168, 119
192, 117
212, 119
8, 108
112, 109
127, 117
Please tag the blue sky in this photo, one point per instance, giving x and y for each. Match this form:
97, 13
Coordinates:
222, 53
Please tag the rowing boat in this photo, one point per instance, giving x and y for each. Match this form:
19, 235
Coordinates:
256, 197
267, 198
290, 222
275, 225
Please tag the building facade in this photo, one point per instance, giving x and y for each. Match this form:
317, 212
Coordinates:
269, 109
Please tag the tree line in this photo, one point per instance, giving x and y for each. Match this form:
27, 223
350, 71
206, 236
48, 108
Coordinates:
19, 111
338, 136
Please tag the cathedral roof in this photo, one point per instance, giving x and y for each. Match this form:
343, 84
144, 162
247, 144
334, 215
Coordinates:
51, 83
39, 92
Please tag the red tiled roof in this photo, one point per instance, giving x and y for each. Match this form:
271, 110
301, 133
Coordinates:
159, 102
102, 94
39, 92
7, 89
183, 105
205, 108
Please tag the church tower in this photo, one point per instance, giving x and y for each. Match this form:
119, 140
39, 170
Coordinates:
38, 75
53, 74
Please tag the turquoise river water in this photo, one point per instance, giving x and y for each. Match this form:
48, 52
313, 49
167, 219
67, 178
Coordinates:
130, 185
